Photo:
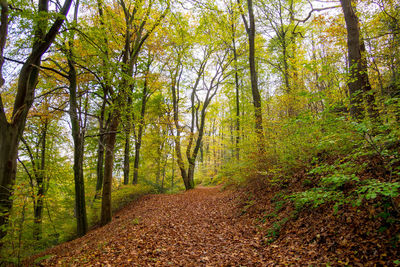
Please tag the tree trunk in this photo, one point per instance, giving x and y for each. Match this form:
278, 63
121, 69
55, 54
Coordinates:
173, 167
237, 88
164, 170
27, 81
101, 145
38, 204
126, 154
190, 174
80, 203
107, 89
108, 168
78, 138
127, 148
158, 162
251, 32
9, 138
358, 83
138, 143
178, 149
100, 163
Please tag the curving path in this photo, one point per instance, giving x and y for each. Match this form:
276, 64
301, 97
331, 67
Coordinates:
200, 227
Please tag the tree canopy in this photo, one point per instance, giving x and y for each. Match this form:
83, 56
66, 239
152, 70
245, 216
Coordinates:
104, 101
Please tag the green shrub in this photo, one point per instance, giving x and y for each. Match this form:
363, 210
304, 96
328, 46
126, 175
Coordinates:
120, 198
315, 197
336, 180
374, 188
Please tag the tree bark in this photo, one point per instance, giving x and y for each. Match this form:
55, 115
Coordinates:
138, 143
106, 90
127, 147
358, 84
110, 138
100, 159
12, 131
237, 91
173, 167
251, 33
175, 103
38, 204
78, 136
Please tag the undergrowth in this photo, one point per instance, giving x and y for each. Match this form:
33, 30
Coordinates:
328, 162
20, 244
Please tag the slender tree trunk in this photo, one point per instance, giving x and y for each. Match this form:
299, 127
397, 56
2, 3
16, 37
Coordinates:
101, 145
78, 135
163, 175
100, 160
127, 148
179, 158
110, 138
127, 152
173, 167
251, 32
202, 153
286, 73
78, 138
107, 88
38, 204
159, 159
237, 88
158, 172
138, 143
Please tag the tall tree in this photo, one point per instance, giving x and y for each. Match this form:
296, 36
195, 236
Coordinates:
135, 36
11, 131
250, 26
106, 89
233, 20
358, 83
78, 132
39, 175
141, 122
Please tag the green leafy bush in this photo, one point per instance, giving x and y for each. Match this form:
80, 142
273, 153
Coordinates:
315, 197
120, 198
374, 188
336, 180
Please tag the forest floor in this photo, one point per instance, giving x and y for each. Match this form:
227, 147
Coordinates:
194, 228
204, 227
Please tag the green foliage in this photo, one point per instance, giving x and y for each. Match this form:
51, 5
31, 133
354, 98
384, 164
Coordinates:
315, 197
330, 191
235, 172
45, 257
121, 196
128, 193
247, 205
373, 188
337, 181
274, 231
136, 221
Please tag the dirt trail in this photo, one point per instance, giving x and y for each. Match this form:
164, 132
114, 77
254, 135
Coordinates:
200, 227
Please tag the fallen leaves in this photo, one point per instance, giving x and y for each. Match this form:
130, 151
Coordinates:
200, 228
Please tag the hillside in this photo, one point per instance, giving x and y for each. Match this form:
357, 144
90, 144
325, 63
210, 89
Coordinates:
214, 227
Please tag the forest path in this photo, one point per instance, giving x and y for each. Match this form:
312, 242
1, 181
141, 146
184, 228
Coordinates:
200, 227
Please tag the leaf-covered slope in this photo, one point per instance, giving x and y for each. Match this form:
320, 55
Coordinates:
210, 227
198, 227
